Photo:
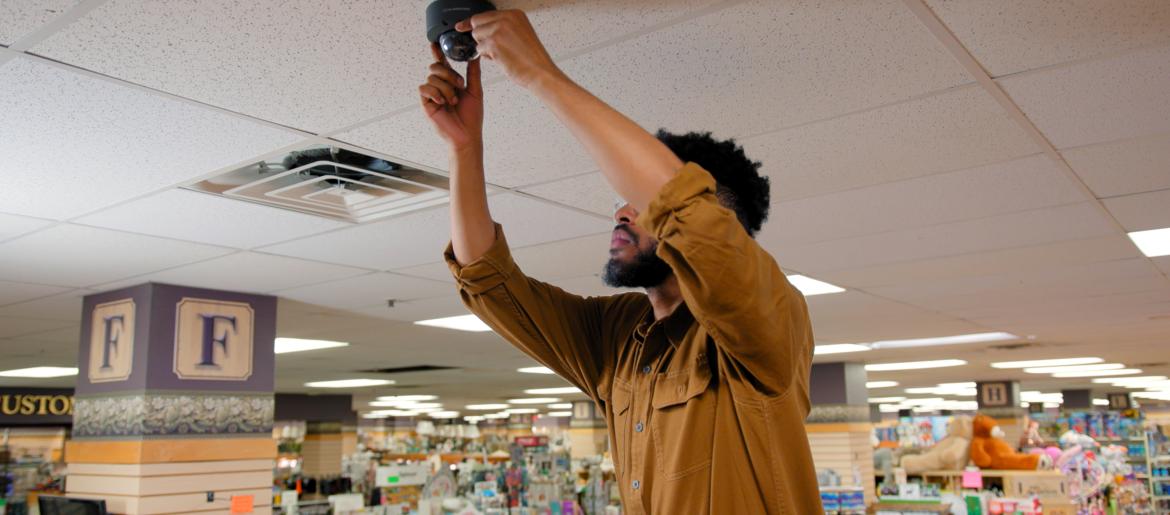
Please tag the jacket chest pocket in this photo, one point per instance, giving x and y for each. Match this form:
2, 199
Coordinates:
620, 399
683, 421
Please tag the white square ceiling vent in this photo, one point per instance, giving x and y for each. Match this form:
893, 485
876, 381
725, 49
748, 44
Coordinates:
332, 182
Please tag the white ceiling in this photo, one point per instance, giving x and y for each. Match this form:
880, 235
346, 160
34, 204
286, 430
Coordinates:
897, 172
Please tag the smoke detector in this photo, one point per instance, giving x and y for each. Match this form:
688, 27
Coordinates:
332, 182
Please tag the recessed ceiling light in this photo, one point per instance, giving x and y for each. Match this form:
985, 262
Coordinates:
876, 400
915, 365
838, 348
553, 391
1100, 402
40, 372
1153, 243
493, 416
944, 340
287, 345
1074, 368
375, 415
444, 414
486, 407
407, 398
1047, 362
473, 418
349, 383
809, 286
418, 405
521, 411
560, 414
881, 384
1094, 373
470, 323
535, 370
534, 400
561, 405
889, 408
394, 413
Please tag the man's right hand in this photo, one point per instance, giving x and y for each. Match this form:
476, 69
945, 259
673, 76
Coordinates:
454, 105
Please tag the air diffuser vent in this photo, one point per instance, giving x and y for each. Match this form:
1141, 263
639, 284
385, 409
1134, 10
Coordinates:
403, 370
332, 182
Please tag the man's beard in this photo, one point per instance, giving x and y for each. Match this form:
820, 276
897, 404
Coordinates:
646, 271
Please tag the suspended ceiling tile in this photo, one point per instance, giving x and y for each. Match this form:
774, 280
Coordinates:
1141, 211
547, 261
415, 310
858, 317
1028, 228
1019, 185
71, 255
437, 271
1103, 100
420, 238
1009, 37
203, 218
67, 336
247, 272
368, 291
13, 292
12, 226
74, 143
1163, 263
20, 17
12, 327
761, 66
65, 306
590, 286
956, 130
589, 192
1124, 167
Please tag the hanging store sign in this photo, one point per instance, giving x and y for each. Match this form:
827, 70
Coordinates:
20, 406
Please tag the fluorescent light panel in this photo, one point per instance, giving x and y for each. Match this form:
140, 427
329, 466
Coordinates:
881, 384
470, 323
944, 340
40, 372
1074, 368
1131, 380
1047, 362
407, 398
914, 365
876, 400
535, 370
1100, 402
534, 400
809, 286
838, 348
349, 383
521, 411
1153, 243
1094, 373
486, 407
553, 391
561, 405
445, 414
560, 414
287, 345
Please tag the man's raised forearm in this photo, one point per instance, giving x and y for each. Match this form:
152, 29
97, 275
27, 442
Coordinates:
472, 229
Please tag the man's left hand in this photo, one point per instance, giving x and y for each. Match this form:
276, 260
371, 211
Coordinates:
507, 38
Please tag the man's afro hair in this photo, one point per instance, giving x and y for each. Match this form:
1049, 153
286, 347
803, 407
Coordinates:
739, 183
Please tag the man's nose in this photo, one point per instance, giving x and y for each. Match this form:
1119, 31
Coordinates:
625, 214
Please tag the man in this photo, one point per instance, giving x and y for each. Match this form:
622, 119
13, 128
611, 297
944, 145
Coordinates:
704, 379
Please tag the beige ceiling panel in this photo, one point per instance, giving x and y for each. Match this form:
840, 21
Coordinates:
203, 218
1009, 37
1103, 100
20, 17
1124, 167
858, 317
63, 306
13, 292
247, 272
72, 255
956, 130
1142, 211
589, 192
1028, 228
74, 143
414, 310
12, 226
368, 291
1019, 185
12, 327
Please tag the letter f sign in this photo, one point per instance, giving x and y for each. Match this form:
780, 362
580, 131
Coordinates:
210, 341
111, 341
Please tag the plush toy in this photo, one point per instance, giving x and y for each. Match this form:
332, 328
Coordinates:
950, 453
989, 451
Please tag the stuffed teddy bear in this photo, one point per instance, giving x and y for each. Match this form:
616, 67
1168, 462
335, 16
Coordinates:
950, 453
990, 451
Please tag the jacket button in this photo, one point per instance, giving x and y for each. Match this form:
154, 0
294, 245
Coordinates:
646, 369
638, 427
637, 484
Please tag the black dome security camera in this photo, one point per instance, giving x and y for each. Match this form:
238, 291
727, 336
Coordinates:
442, 15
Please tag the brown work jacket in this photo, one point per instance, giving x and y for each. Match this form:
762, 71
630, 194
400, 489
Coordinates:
705, 408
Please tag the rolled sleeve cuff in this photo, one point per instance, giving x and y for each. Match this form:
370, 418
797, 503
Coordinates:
690, 183
487, 272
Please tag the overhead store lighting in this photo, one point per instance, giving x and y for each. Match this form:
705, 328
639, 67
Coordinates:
1152, 243
1074, 368
349, 383
561, 405
553, 391
914, 365
472, 418
486, 407
1047, 362
944, 340
1094, 373
1131, 380
407, 398
878, 400
809, 286
534, 400
881, 384
1100, 402
444, 414
838, 348
40, 372
287, 345
560, 414
521, 411
470, 323
535, 370
418, 405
